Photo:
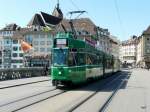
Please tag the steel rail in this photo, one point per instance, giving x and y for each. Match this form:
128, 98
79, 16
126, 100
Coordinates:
26, 97
91, 95
38, 101
110, 98
24, 84
25, 102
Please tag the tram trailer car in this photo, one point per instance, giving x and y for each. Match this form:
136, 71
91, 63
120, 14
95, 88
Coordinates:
76, 61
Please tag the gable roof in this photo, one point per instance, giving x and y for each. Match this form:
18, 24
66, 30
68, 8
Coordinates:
36, 21
147, 31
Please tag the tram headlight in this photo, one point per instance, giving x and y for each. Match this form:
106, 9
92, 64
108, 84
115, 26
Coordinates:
59, 73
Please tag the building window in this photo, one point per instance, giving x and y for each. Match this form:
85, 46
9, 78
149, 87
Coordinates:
78, 32
87, 33
15, 48
15, 41
20, 48
14, 54
36, 49
48, 49
42, 49
16, 61
49, 42
7, 41
40, 36
29, 38
36, 43
42, 43
21, 66
21, 54
14, 66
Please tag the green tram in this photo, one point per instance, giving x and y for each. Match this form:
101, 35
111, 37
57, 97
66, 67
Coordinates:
76, 61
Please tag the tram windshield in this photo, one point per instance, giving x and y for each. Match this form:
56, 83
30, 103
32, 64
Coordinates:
60, 57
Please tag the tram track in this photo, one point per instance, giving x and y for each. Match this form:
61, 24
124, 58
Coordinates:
85, 98
24, 103
26, 97
31, 104
110, 98
30, 100
23, 84
74, 104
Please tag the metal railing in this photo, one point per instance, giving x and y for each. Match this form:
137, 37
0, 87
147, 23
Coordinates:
18, 73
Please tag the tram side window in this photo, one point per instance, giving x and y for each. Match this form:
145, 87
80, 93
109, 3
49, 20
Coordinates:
88, 60
95, 59
72, 61
109, 63
81, 59
106, 63
76, 59
100, 60
92, 59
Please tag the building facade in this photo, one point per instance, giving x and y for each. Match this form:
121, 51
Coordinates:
42, 43
104, 40
17, 55
139, 62
143, 54
11, 53
114, 48
41, 40
128, 51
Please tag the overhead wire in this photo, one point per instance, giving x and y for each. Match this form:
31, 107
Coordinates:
117, 11
67, 9
76, 6
119, 17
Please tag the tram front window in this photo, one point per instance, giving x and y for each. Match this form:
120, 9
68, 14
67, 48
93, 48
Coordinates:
59, 57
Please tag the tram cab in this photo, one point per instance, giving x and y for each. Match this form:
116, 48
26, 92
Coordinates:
66, 61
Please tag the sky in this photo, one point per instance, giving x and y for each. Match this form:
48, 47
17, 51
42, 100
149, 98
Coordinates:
123, 18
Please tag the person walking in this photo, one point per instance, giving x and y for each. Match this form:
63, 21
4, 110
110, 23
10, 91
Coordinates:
46, 71
148, 68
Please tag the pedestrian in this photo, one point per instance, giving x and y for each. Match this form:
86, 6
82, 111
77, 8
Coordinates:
46, 70
148, 68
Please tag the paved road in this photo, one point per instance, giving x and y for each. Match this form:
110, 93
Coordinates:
135, 97
66, 101
132, 96
15, 93
21, 81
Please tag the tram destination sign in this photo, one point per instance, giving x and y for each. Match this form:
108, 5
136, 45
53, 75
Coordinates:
61, 42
